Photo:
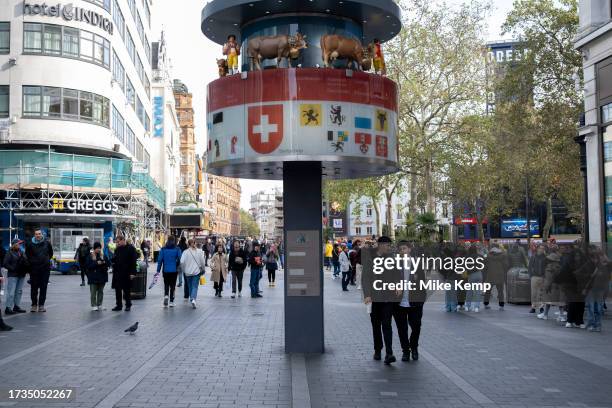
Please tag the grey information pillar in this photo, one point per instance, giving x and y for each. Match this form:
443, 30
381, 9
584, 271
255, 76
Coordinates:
302, 186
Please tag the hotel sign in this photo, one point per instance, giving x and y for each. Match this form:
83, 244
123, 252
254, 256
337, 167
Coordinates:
69, 13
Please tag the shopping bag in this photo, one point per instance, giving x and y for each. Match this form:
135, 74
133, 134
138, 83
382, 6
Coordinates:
228, 281
154, 280
202, 280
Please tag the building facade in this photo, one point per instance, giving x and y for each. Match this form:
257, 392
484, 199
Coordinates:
594, 40
267, 210
75, 109
188, 143
225, 196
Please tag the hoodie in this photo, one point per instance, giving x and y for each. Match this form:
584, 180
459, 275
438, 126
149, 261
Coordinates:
169, 258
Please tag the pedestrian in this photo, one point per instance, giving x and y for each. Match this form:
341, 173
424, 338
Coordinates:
169, 260
255, 261
497, 265
409, 311
145, 248
353, 257
382, 303
218, 267
237, 264
206, 250
329, 249
183, 247
272, 266
39, 253
3, 326
596, 289
336, 261
16, 266
193, 266
81, 256
281, 253
449, 276
537, 264
345, 267
3, 252
124, 271
156, 249
97, 276
552, 291
475, 276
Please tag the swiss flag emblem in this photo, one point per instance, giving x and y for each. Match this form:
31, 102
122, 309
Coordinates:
265, 128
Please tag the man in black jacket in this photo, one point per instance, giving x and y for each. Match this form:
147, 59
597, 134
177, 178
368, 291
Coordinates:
39, 253
16, 265
237, 264
409, 311
124, 271
83, 253
382, 299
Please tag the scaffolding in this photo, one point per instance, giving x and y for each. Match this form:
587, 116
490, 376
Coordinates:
37, 181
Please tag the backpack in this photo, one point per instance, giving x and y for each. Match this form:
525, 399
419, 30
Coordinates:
83, 251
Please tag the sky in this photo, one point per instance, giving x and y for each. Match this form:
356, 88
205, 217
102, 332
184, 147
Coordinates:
193, 60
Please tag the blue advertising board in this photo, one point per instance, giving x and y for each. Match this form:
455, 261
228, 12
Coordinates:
158, 116
517, 228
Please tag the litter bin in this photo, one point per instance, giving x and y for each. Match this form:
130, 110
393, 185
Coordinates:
139, 284
518, 285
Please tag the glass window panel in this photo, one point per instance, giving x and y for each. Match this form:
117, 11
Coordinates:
71, 42
4, 101
5, 37
31, 100
87, 45
98, 50
52, 39
32, 37
118, 19
86, 106
130, 93
52, 102
118, 125
106, 58
118, 72
606, 113
131, 48
97, 109
70, 103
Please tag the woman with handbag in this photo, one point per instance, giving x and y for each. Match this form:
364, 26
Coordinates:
272, 266
218, 265
237, 264
169, 259
192, 265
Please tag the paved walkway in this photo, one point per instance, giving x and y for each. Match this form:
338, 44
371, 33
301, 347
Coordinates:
229, 353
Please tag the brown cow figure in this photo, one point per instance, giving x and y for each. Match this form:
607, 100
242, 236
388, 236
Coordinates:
334, 46
278, 46
223, 68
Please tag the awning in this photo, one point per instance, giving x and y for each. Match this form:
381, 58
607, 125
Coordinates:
74, 218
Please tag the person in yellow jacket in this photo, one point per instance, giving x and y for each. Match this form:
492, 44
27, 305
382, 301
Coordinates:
232, 50
329, 248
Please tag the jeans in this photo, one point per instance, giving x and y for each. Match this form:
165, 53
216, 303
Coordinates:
500, 293
170, 284
336, 268
254, 281
38, 288
594, 302
192, 282
180, 278
346, 277
96, 291
450, 297
474, 297
14, 290
237, 280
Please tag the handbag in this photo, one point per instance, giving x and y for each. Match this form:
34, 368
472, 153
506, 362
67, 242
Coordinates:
202, 280
202, 270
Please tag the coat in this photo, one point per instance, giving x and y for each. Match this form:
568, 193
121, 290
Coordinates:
168, 259
124, 265
345, 263
97, 269
497, 266
16, 264
236, 266
537, 264
39, 256
255, 259
218, 266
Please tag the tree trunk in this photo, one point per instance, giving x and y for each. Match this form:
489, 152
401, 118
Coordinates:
431, 205
377, 212
413, 194
389, 214
549, 219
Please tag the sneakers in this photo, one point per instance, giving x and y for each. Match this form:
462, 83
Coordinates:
34, 309
193, 304
532, 310
117, 309
166, 301
487, 307
390, 358
377, 356
476, 310
41, 309
82, 283
406, 356
582, 326
17, 309
171, 304
569, 325
542, 316
94, 308
8, 311
239, 294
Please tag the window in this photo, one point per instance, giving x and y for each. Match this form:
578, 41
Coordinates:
70, 104
369, 230
130, 93
131, 48
368, 211
147, 86
139, 151
606, 113
52, 39
132, 7
130, 138
118, 72
139, 110
140, 29
118, 19
52, 102
147, 123
105, 4
140, 69
147, 46
118, 125
4, 101
68, 42
5, 38
71, 42
147, 13
32, 37
357, 230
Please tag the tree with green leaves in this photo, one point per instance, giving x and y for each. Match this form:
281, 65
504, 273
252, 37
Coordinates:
248, 226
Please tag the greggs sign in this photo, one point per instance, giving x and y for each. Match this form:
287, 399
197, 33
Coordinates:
69, 13
84, 205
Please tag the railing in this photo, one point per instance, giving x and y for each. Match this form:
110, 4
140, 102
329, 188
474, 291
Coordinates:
45, 167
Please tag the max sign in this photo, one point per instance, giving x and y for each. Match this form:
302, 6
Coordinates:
69, 13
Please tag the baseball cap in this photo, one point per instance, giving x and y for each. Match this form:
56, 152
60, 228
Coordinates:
16, 241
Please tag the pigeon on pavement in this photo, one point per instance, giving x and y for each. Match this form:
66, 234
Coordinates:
132, 329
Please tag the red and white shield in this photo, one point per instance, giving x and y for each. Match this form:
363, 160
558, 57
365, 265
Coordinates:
265, 128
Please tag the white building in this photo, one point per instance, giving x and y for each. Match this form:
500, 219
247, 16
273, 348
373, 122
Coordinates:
267, 212
594, 40
75, 109
164, 143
